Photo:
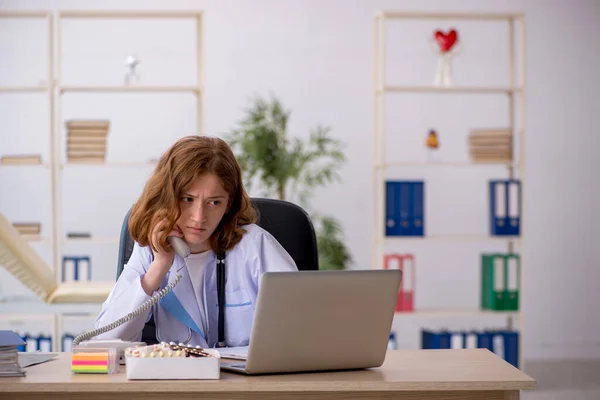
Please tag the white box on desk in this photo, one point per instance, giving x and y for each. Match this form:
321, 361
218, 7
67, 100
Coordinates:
174, 367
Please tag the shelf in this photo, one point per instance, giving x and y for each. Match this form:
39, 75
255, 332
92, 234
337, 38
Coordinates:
453, 238
22, 89
454, 89
20, 165
455, 313
457, 164
129, 14
109, 164
449, 15
23, 14
35, 238
129, 89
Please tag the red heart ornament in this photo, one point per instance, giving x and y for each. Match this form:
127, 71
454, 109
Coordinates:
446, 41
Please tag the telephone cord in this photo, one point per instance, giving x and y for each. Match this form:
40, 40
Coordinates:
135, 313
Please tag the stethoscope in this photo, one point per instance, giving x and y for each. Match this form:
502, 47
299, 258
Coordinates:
220, 299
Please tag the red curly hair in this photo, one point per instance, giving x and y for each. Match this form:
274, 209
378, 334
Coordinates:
178, 167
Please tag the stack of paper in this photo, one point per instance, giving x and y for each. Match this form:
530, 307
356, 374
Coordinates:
9, 355
86, 140
490, 145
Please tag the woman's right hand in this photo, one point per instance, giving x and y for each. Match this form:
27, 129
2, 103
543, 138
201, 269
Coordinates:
163, 259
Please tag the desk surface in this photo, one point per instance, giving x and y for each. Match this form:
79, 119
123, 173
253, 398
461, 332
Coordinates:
403, 370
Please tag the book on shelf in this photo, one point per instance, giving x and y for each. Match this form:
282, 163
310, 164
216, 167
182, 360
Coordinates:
17, 159
404, 208
491, 145
79, 235
86, 140
88, 124
27, 228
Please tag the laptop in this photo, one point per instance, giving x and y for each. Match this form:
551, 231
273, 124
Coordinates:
319, 321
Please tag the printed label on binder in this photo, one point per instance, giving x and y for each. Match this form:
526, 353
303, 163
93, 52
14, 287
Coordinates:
471, 341
500, 211
456, 341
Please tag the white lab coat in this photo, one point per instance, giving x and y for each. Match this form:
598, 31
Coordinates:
256, 253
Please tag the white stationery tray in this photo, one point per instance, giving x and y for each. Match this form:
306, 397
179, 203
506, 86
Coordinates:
174, 367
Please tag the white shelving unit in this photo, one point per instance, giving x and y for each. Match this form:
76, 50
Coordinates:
196, 90
55, 90
513, 91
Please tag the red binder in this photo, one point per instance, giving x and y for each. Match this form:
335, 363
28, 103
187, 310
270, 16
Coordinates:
406, 293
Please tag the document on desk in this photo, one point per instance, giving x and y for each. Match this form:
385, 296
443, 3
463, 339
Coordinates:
27, 359
235, 353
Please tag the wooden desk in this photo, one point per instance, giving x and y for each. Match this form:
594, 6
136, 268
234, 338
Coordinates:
474, 374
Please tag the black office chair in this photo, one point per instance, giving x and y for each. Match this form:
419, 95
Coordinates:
287, 222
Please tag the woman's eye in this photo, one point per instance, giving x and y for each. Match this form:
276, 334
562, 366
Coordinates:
215, 202
188, 199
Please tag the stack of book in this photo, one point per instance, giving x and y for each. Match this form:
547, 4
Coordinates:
490, 145
86, 140
27, 229
9, 355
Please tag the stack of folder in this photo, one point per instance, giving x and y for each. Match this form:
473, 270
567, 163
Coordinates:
505, 343
9, 354
490, 145
28, 229
86, 140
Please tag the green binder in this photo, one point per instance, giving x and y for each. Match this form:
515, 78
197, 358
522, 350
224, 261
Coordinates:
513, 281
500, 281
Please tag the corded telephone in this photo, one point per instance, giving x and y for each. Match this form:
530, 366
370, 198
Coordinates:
182, 249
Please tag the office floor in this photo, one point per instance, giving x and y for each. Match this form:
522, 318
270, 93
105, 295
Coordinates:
564, 380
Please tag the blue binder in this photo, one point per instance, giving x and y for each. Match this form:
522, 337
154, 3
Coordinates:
44, 343
505, 207
505, 343
405, 214
509, 349
435, 340
76, 261
67, 342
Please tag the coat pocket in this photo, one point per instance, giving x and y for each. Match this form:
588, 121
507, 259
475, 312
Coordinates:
239, 314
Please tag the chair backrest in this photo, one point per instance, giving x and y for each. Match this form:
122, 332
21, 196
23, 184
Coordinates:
287, 222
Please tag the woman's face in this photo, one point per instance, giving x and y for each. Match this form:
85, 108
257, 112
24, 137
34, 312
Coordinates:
203, 205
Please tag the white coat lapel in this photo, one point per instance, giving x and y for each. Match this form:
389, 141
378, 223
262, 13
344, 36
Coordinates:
181, 301
210, 299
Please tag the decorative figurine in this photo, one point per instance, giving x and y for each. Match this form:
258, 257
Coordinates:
447, 45
132, 75
433, 143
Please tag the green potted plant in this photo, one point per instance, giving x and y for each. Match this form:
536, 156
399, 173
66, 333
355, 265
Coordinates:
291, 168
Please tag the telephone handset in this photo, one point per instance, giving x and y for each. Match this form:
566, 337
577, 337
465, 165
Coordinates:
182, 249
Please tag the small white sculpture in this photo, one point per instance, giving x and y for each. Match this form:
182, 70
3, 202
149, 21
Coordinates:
132, 76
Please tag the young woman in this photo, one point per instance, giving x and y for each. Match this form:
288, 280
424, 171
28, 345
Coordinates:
196, 193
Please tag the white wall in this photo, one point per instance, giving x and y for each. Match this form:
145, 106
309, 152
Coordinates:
317, 57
